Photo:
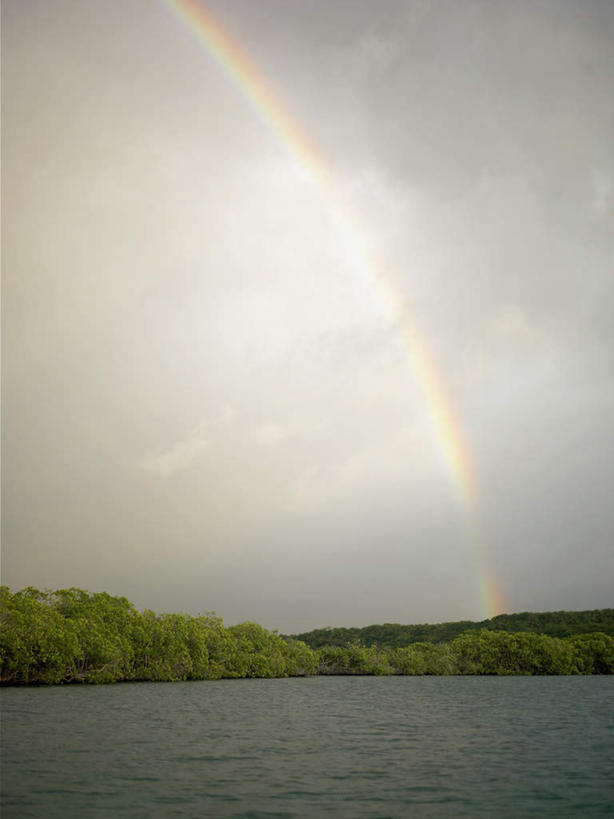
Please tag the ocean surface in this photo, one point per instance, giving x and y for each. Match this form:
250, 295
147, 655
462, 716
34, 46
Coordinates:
324, 746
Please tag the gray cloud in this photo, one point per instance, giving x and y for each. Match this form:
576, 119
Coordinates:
208, 399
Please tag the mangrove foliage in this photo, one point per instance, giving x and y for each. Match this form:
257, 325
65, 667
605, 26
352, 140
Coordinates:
72, 636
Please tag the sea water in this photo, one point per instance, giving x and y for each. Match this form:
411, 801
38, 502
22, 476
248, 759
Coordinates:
321, 746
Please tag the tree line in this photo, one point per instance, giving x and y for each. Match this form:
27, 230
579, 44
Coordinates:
395, 635
72, 636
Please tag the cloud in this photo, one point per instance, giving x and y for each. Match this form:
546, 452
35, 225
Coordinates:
270, 434
166, 256
177, 457
601, 194
183, 453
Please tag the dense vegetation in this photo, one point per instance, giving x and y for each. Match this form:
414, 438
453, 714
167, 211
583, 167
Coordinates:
73, 636
393, 635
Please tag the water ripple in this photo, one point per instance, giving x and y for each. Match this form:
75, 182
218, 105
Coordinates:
339, 747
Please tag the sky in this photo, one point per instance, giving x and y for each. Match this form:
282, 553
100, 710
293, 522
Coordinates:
335, 352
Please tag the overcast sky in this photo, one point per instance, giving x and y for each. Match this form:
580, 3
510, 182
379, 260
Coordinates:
208, 405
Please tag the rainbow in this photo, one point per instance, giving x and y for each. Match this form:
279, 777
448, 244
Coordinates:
198, 21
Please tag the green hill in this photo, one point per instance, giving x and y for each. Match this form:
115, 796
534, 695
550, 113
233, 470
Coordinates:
394, 635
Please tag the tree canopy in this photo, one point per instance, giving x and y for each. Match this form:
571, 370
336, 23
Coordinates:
72, 636
395, 635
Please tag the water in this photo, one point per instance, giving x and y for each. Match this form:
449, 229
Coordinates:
325, 746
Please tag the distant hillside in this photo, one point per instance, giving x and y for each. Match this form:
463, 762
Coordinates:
393, 635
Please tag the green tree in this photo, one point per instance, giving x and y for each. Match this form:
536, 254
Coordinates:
594, 653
